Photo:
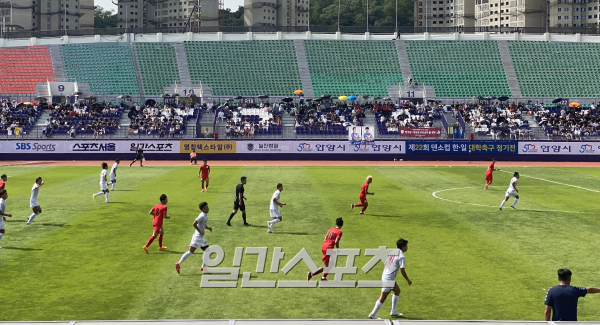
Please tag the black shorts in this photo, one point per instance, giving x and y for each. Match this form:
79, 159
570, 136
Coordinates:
138, 157
238, 206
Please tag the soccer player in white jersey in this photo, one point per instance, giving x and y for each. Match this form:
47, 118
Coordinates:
198, 240
274, 209
103, 182
394, 263
113, 174
33, 203
512, 191
3, 215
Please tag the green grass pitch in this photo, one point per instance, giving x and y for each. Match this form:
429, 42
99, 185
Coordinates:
83, 259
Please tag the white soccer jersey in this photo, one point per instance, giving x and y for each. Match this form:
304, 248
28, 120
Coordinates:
394, 263
201, 220
276, 196
513, 184
113, 171
103, 177
2, 208
34, 192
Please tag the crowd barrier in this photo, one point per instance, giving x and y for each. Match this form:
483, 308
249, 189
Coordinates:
301, 150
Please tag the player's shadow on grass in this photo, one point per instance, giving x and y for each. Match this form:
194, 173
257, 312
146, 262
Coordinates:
9, 220
174, 252
124, 190
62, 225
293, 233
383, 215
115, 202
257, 226
23, 248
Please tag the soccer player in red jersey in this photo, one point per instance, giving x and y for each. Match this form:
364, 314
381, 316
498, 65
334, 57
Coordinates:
159, 212
332, 239
3, 179
488, 174
205, 171
363, 195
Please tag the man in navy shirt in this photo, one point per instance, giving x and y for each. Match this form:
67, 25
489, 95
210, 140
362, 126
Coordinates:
561, 300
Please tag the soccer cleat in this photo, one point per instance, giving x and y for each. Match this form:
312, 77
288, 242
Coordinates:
247, 224
177, 267
309, 276
397, 314
93, 196
513, 207
362, 213
500, 209
324, 279
371, 316
351, 207
201, 190
162, 248
146, 249
228, 224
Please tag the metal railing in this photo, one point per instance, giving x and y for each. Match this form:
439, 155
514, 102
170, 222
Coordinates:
303, 29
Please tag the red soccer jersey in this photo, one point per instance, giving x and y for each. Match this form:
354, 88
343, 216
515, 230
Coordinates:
205, 170
491, 168
364, 190
332, 235
159, 211
2, 185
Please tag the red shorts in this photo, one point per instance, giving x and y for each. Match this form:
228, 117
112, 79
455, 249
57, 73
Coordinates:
363, 199
325, 257
488, 177
204, 178
157, 228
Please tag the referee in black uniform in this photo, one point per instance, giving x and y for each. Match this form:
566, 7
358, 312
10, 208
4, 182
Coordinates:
139, 155
239, 203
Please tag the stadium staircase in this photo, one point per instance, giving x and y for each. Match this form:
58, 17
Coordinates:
509, 68
58, 63
37, 131
183, 66
303, 68
288, 122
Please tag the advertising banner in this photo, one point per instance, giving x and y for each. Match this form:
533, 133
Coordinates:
312, 147
361, 134
421, 132
474, 147
208, 146
559, 148
99, 146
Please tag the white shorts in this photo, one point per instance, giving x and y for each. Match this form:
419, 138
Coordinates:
113, 177
33, 203
198, 242
1, 223
275, 213
387, 283
511, 193
103, 187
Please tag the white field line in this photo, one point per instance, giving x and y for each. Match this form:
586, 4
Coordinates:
559, 183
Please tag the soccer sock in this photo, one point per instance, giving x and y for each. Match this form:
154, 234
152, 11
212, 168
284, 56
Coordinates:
1, 234
376, 308
32, 216
502, 204
150, 240
113, 186
160, 237
324, 276
515, 202
184, 257
98, 194
363, 209
244, 217
230, 217
106, 194
394, 303
358, 205
202, 185
273, 222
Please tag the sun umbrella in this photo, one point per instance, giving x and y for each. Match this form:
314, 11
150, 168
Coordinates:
288, 99
352, 98
238, 97
365, 96
387, 99
556, 101
263, 96
376, 98
343, 97
318, 99
298, 92
326, 96
77, 93
41, 99
503, 98
150, 102
575, 104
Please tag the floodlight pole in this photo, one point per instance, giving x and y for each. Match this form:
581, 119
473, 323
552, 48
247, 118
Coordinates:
367, 16
339, 7
396, 15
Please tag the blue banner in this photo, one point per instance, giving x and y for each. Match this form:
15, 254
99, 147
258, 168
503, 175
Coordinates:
475, 147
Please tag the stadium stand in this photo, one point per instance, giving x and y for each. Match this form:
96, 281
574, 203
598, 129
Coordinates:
251, 68
96, 120
458, 69
107, 68
251, 121
353, 68
164, 122
23, 68
17, 119
567, 123
547, 69
389, 119
158, 67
